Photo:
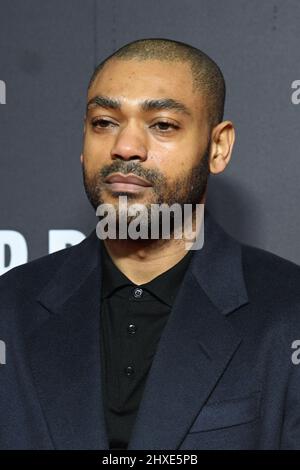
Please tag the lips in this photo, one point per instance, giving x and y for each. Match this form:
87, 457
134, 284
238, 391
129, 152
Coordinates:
130, 180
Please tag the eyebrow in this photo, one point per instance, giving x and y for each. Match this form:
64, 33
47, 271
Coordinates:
147, 105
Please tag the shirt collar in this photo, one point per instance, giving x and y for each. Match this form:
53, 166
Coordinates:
165, 286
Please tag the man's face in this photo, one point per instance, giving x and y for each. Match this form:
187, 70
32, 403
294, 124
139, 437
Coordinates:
159, 132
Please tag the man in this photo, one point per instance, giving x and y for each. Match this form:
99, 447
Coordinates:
141, 343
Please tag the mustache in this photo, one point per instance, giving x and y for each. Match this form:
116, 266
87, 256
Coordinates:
153, 176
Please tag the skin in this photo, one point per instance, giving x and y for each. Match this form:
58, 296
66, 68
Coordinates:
134, 135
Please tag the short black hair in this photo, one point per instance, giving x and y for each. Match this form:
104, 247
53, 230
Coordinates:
207, 76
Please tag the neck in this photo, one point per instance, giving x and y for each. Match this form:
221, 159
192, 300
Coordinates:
143, 260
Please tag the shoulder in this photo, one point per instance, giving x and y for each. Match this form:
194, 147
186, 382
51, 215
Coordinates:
272, 283
269, 269
30, 277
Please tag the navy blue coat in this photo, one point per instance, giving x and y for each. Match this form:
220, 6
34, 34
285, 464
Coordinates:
222, 377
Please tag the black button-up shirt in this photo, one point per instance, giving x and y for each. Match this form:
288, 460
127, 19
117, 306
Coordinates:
132, 319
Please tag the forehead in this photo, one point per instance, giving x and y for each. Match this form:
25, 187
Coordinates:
146, 79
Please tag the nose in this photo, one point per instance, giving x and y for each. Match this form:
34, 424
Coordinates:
130, 144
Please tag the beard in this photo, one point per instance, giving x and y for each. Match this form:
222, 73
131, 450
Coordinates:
187, 189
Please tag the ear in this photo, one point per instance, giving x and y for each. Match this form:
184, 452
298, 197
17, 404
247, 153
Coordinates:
222, 140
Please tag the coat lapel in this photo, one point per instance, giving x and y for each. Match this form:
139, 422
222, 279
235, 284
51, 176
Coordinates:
65, 352
196, 345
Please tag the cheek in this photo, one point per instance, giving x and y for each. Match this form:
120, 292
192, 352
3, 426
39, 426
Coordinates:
90, 143
161, 161
172, 159
163, 154
94, 152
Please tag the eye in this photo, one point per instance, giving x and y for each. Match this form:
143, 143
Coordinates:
164, 126
102, 123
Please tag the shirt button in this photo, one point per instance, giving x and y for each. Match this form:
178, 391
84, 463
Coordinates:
129, 370
138, 292
131, 328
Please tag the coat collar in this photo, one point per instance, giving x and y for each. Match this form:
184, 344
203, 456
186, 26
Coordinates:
164, 287
195, 348
218, 269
